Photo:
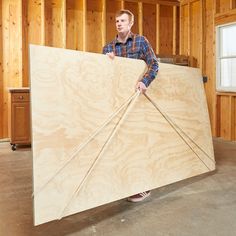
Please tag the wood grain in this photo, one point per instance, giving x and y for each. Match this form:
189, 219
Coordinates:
133, 7
184, 36
166, 30
54, 23
1, 74
195, 34
94, 26
74, 25
111, 8
74, 92
149, 23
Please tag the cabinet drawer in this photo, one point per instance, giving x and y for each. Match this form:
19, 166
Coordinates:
20, 97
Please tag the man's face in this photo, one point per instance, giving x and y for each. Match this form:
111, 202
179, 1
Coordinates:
123, 24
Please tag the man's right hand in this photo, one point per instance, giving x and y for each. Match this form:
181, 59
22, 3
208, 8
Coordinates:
111, 55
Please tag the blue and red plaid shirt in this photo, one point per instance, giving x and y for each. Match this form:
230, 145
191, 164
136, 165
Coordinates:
137, 47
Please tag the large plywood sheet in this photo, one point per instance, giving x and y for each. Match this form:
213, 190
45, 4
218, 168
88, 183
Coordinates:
73, 93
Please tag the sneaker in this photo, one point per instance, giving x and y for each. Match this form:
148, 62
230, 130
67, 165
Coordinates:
139, 197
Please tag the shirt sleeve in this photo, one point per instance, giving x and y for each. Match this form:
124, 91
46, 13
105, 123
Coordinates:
151, 61
107, 48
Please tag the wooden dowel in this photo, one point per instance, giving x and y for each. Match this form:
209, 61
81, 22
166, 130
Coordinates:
84, 143
181, 133
130, 106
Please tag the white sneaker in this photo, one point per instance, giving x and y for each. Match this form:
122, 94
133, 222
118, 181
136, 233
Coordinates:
139, 197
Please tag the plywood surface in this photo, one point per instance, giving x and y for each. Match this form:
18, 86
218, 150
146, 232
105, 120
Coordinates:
73, 93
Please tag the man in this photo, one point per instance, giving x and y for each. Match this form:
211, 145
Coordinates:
127, 44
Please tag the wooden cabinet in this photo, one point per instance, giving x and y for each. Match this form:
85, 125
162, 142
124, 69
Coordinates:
19, 117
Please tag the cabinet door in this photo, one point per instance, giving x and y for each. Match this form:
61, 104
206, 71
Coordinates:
20, 122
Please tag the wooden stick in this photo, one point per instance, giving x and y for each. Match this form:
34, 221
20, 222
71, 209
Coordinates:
130, 106
179, 131
85, 142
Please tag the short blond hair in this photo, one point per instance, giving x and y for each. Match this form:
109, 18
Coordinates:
129, 13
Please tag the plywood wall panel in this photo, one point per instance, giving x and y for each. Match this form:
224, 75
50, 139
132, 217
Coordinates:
1, 74
133, 7
74, 24
111, 8
233, 3
209, 63
15, 52
225, 117
11, 53
145, 153
223, 6
34, 19
177, 46
149, 23
166, 30
234, 118
94, 26
25, 45
225, 17
184, 34
6, 64
54, 23
195, 34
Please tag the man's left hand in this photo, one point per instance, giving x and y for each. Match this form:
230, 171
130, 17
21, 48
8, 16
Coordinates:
141, 87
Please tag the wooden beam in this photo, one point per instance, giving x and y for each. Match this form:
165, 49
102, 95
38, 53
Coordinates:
43, 37
184, 2
233, 4
203, 32
1, 74
158, 29
226, 17
25, 45
20, 41
6, 64
122, 4
63, 28
140, 18
202, 35
189, 31
103, 22
161, 2
180, 30
174, 29
217, 6
218, 116
84, 25
232, 117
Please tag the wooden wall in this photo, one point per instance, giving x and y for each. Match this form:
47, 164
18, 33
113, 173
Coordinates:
197, 40
1, 75
85, 25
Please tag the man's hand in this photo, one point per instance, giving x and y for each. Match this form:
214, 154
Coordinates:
111, 55
141, 87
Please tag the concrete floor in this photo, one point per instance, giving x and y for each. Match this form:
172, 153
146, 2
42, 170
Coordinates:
203, 205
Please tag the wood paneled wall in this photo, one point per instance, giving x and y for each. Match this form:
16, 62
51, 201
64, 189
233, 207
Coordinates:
1, 73
197, 40
191, 36
85, 25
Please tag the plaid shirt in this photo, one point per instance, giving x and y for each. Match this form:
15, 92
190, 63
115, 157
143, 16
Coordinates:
137, 47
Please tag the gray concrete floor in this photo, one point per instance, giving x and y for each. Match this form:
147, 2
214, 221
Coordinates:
203, 205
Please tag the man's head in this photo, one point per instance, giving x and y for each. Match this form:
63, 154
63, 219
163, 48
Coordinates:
124, 21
